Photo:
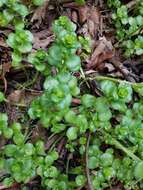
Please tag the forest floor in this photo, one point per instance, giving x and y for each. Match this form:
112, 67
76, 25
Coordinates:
24, 84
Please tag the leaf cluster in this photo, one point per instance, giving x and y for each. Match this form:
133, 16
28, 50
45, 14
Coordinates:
114, 121
112, 116
128, 27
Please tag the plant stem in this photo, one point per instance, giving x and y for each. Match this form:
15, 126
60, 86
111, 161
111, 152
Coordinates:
15, 104
30, 83
86, 160
117, 144
100, 78
68, 161
83, 76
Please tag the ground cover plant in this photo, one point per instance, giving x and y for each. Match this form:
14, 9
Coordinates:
71, 95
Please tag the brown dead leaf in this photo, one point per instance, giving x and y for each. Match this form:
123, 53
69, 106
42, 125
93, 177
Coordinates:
3, 43
109, 67
89, 17
93, 21
83, 14
42, 39
74, 16
40, 13
16, 96
37, 132
103, 51
4, 68
22, 97
17, 100
30, 95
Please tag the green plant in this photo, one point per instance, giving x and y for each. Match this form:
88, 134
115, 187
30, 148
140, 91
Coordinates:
59, 89
15, 12
7, 132
93, 115
128, 27
82, 2
11, 10
2, 97
23, 161
21, 42
103, 134
38, 2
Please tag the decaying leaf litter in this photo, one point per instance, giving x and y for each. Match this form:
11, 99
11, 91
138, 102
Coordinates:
22, 85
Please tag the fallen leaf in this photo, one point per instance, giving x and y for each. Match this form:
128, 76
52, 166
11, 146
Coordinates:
16, 96
3, 43
4, 68
89, 18
17, 100
74, 16
83, 13
93, 21
42, 39
40, 13
38, 131
103, 51
22, 97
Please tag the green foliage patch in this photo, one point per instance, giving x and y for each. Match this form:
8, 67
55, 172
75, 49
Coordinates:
128, 27
104, 134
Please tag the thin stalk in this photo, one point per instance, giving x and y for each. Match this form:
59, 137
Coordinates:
84, 77
30, 83
90, 185
56, 141
15, 104
118, 145
68, 161
100, 78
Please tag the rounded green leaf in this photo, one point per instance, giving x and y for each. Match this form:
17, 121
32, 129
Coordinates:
16, 59
10, 150
106, 159
93, 162
18, 139
38, 2
138, 171
125, 92
51, 83
108, 87
109, 172
8, 182
70, 116
29, 149
16, 127
72, 133
49, 160
54, 155
80, 180
7, 132
51, 172
88, 100
73, 63
21, 9
40, 148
